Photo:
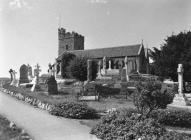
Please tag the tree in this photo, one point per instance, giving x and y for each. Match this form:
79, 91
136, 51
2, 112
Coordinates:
175, 50
78, 68
150, 96
65, 61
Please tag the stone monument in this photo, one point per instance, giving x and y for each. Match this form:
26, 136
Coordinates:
89, 70
99, 69
30, 75
109, 64
126, 68
180, 71
52, 85
14, 81
23, 74
36, 86
11, 74
104, 65
180, 99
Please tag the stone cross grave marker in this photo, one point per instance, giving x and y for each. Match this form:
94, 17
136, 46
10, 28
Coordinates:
30, 75
36, 86
11, 74
180, 71
179, 99
14, 81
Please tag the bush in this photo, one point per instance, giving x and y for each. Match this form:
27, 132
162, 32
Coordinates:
125, 125
117, 126
149, 96
170, 117
74, 110
112, 126
78, 68
147, 128
172, 135
65, 62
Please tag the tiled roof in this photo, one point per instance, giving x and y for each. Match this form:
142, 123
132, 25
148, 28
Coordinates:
122, 51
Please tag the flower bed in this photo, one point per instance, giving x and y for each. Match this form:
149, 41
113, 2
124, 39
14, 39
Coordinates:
74, 110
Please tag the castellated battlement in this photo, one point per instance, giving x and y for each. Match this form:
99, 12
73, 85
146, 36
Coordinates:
69, 41
63, 34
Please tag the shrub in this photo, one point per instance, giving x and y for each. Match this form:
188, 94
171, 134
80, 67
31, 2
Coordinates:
74, 110
149, 96
117, 126
125, 125
171, 117
147, 128
65, 62
113, 126
172, 135
78, 68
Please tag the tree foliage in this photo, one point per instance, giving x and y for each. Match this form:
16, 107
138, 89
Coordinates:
65, 61
175, 50
150, 96
78, 68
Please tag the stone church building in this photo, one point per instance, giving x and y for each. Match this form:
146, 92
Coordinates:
73, 42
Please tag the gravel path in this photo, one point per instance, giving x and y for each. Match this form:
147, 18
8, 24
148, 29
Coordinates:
40, 124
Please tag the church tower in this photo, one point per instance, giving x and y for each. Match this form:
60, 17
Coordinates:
69, 41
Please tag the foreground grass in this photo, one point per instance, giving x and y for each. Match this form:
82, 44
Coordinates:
8, 131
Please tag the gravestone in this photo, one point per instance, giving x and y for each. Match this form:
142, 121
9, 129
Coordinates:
104, 66
99, 69
36, 86
180, 98
109, 64
23, 74
14, 81
180, 71
89, 70
11, 74
52, 85
126, 67
30, 75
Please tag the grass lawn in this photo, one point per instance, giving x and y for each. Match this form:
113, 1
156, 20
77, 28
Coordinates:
11, 133
102, 105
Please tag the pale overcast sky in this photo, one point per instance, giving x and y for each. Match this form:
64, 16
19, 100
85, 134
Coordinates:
28, 28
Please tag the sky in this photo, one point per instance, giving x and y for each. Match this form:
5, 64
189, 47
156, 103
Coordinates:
28, 28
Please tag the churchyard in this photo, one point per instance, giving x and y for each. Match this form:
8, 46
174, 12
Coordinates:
111, 106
